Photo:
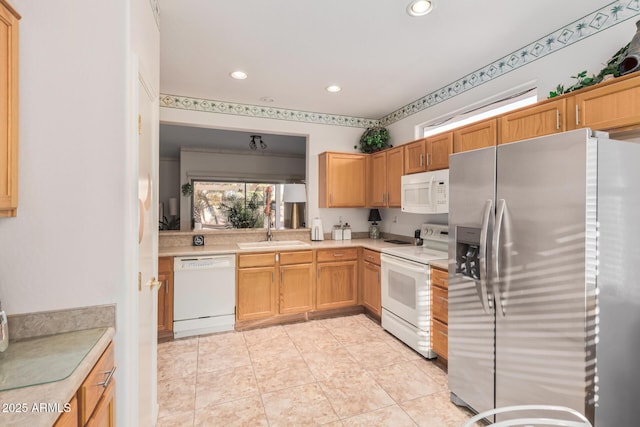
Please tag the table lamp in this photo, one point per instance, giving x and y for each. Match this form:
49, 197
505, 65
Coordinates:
294, 194
374, 229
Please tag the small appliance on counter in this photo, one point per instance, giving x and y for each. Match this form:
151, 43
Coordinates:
336, 233
317, 232
346, 231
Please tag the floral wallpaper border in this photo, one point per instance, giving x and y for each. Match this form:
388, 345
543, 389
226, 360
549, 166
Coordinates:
606, 17
197, 104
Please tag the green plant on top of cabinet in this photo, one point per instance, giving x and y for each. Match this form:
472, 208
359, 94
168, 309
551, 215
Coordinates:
341, 179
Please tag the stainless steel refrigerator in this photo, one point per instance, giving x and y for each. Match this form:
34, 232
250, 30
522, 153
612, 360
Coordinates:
544, 291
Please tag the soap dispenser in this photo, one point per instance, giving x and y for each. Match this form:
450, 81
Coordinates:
4, 330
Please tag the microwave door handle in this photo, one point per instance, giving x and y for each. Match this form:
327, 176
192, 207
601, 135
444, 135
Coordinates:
431, 194
482, 257
501, 207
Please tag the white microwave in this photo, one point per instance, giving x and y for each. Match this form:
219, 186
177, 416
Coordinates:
426, 192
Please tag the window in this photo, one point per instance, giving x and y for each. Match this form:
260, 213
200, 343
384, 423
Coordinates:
492, 109
219, 204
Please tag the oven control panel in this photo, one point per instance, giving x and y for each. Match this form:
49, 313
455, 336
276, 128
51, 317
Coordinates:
435, 232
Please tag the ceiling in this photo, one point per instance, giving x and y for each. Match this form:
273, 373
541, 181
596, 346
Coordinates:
381, 57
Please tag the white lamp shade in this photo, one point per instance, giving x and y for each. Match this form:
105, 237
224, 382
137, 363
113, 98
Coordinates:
294, 193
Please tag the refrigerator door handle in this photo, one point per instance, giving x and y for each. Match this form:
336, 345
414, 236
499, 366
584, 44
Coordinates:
482, 257
501, 207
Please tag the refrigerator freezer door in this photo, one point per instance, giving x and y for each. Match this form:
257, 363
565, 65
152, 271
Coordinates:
471, 318
546, 194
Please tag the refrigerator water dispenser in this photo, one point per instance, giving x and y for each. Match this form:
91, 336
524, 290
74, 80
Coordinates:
467, 252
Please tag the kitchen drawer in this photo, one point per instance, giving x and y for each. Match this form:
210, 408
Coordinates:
326, 255
440, 278
440, 339
371, 256
165, 264
95, 384
440, 304
257, 260
298, 257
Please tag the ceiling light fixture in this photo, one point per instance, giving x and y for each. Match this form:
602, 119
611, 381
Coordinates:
254, 145
419, 7
239, 75
334, 88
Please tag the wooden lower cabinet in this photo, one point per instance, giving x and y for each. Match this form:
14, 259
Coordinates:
256, 295
165, 298
295, 293
371, 282
337, 284
94, 403
273, 283
440, 312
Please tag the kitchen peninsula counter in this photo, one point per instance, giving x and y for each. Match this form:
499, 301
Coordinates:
41, 404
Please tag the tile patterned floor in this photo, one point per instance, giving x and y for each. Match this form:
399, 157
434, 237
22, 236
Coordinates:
343, 371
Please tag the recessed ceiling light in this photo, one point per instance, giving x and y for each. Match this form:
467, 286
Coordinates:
419, 7
334, 88
239, 75
267, 99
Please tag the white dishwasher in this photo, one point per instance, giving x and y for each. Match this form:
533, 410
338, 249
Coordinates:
204, 298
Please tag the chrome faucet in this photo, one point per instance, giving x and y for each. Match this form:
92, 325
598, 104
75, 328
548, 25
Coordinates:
269, 235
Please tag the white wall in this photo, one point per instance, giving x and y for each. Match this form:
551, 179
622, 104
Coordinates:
64, 249
72, 243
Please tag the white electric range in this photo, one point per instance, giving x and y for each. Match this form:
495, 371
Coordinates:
406, 290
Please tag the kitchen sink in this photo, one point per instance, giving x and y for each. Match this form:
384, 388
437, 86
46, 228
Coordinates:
275, 244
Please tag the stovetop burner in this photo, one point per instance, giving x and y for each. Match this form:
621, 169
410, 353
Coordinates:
397, 242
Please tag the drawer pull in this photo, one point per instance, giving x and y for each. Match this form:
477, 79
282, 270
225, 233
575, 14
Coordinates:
444, 299
110, 373
341, 254
442, 333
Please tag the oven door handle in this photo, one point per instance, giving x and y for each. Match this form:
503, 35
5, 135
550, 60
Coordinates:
415, 267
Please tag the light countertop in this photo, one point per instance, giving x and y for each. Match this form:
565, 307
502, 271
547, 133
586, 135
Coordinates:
232, 248
38, 360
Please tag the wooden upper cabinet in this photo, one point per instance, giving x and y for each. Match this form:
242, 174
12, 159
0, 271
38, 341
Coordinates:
474, 136
342, 180
612, 106
395, 170
377, 180
8, 110
542, 119
438, 149
415, 154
